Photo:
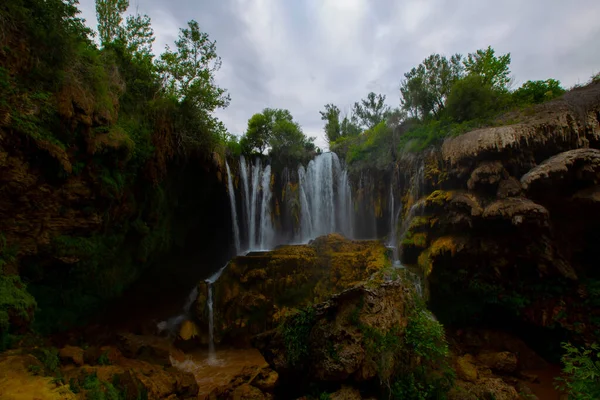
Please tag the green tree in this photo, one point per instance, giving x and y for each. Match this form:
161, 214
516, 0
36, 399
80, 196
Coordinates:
138, 34
426, 87
110, 15
581, 370
371, 111
332, 125
494, 70
471, 98
349, 126
538, 91
189, 71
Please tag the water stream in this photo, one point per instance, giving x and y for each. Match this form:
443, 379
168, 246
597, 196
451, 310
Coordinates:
212, 358
232, 205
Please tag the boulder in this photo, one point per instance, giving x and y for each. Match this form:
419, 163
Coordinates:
148, 348
501, 362
466, 368
250, 383
487, 176
71, 354
326, 343
346, 393
257, 290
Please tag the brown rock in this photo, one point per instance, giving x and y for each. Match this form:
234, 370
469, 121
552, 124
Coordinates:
486, 388
510, 187
466, 369
266, 380
581, 165
487, 174
247, 392
148, 348
72, 354
517, 211
503, 362
346, 393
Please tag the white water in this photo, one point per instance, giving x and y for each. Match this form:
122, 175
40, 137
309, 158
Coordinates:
325, 200
171, 325
234, 219
394, 215
212, 355
258, 215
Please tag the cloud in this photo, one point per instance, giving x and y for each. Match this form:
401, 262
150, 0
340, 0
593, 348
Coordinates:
303, 54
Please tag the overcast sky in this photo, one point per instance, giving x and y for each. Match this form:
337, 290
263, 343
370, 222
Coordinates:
303, 54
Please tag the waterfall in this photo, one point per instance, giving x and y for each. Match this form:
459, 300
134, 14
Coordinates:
246, 194
394, 215
256, 169
266, 225
325, 200
212, 355
234, 220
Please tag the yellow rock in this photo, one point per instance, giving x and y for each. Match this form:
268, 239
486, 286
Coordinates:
17, 383
188, 330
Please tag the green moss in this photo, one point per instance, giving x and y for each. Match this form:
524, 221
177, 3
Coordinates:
296, 331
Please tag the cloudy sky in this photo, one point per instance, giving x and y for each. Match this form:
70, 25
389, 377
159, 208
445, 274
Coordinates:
303, 54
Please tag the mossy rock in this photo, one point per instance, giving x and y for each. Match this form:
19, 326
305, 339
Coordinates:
256, 289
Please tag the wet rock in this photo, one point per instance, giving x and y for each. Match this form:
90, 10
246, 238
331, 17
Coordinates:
257, 290
502, 362
486, 388
71, 354
335, 344
102, 355
250, 383
517, 211
247, 392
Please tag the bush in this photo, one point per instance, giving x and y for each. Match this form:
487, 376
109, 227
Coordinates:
472, 99
535, 92
296, 331
582, 372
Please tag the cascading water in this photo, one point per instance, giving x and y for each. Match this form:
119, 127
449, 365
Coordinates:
257, 205
212, 355
325, 201
394, 215
234, 220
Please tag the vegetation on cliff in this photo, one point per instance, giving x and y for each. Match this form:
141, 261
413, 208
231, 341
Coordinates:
106, 127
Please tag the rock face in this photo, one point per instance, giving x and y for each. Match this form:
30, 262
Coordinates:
256, 291
507, 227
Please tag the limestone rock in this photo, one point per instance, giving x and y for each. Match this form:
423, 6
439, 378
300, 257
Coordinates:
250, 383
486, 388
346, 393
487, 174
148, 348
335, 345
18, 383
71, 354
257, 290
466, 368
510, 187
581, 165
503, 362
517, 211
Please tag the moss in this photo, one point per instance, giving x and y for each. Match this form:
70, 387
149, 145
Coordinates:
438, 198
296, 332
416, 239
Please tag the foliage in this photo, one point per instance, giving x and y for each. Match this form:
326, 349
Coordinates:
426, 86
582, 372
110, 14
276, 130
425, 336
535, 92
296, 331
138, 35
48, 357
493, 70
15, 300
472, 98
332, 125
371, 111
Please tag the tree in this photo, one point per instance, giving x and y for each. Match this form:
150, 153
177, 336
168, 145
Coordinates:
332, 125
494, 70
110, 15
138, 35
188, 72
538, 91
472, 98
426, 87
371, 111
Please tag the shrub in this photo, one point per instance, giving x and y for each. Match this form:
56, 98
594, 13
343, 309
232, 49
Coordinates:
581, 370
296, 331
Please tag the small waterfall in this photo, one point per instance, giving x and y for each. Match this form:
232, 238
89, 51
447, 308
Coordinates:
256, 172
394, 215
326, 204
246, 196
234, 220
171, 325
212, 355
